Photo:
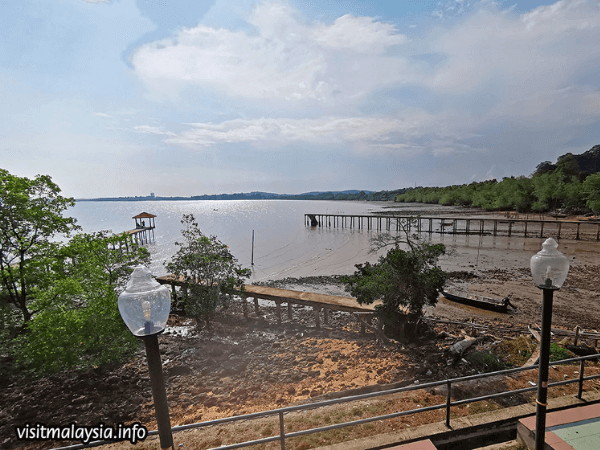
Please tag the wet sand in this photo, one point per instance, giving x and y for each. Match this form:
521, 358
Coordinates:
496, 266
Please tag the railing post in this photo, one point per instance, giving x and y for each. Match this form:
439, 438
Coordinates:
281, 431
448, 395
581, 368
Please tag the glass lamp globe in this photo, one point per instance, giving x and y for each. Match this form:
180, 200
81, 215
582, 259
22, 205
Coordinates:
144, 304
549, 267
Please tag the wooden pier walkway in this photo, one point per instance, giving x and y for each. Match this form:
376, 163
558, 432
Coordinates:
318, 302
529, 228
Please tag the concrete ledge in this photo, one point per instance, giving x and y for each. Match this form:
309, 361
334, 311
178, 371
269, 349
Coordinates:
526, 426
419, 445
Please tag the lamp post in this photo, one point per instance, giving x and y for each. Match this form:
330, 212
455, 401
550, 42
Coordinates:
145, 306
549, 268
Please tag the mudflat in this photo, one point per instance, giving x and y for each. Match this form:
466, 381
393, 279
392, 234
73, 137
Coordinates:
239, 366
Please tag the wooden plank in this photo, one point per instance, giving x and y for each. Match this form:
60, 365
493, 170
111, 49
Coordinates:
334, 302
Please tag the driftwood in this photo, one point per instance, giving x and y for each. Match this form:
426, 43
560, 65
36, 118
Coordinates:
533, 359
459, 348
535, 334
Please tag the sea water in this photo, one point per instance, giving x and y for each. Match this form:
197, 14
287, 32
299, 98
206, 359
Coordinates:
284, 246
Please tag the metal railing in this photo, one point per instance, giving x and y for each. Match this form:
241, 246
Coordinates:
281, 412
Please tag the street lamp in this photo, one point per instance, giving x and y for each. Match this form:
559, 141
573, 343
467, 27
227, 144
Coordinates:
145, 306
549, 268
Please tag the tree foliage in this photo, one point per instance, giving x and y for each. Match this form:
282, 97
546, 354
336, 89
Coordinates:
551, 187
77, 323
212, 273
31, 213
58, 300
404, 280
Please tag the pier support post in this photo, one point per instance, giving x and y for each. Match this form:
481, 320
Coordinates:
278, 311
326, 316
578, 226
289, 308
542, 230
317, 310
430, 226
560, 226
256, 305
245, 306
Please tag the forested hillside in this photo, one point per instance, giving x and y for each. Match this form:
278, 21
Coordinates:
571, 184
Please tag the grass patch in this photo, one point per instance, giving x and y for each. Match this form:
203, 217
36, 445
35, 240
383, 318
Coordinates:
487, 362
267, 431
558, 353
516, 352
482, 407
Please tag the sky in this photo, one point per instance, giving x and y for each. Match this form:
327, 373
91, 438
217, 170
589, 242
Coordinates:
179, 98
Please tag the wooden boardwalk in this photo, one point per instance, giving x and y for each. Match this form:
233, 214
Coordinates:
319, 302
496, 226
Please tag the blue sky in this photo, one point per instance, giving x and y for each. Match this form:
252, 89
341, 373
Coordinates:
128, 97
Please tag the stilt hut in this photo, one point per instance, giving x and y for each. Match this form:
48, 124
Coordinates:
144, 227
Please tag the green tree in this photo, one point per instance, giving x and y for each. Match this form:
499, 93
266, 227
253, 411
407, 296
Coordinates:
77, 323
212, 273
591, 190
404, 280
31, 214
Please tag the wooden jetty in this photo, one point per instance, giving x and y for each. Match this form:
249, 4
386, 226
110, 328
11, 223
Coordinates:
143, 233
529, 228
318, 302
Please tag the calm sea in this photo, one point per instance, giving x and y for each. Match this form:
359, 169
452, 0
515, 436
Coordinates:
283, 247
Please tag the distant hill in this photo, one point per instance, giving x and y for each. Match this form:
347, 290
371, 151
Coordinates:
257, 195
582, 165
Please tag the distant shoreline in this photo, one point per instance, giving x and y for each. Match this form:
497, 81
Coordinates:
351, 195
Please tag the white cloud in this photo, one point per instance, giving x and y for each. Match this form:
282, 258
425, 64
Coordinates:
284, 59
542, 48
494, 70
152, 130
537, 68
98, 114
374, 132
358, 34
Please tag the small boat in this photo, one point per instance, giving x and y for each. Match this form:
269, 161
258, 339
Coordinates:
479, 301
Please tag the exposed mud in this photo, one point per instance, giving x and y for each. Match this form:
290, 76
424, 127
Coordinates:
240, 366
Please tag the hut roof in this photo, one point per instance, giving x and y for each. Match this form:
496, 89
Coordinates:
144, 215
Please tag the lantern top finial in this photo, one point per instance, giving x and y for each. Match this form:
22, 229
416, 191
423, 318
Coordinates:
141, 280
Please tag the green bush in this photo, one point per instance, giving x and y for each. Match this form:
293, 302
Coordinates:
486, 362
62, 337
558, 353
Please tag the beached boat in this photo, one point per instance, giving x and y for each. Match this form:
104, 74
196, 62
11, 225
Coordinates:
479, 301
